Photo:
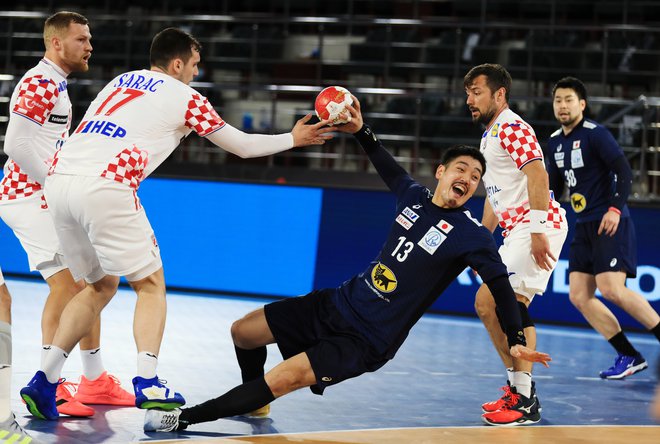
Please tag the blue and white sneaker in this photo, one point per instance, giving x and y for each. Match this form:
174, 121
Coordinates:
39, 397
153, 394
625, 366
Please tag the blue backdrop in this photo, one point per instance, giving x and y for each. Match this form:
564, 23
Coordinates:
275, 240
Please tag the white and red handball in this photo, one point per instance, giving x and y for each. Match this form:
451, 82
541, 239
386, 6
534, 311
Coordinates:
331, 102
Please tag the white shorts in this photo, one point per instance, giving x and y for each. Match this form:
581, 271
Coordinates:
33, 225
527, 278
102, 227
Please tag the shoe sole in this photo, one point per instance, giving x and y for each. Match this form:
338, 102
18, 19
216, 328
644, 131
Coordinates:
104, 400
522, 422
159, 405
631, 371
32, 407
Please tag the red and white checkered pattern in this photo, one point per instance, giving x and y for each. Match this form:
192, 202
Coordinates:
201, 117
511, 217
16, 183
520, 142
36, 98
128, 167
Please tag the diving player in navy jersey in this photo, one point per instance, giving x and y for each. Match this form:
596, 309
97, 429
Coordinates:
334, 334
584, 155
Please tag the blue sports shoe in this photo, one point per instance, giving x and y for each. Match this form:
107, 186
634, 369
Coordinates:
39, 397
625, 366
152, 394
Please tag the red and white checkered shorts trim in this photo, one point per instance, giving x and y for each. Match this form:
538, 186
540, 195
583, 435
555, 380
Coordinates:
16, 184
128, 167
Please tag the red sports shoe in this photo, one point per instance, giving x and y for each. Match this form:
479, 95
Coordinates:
518, 410
494, 406
67, 404
106, 389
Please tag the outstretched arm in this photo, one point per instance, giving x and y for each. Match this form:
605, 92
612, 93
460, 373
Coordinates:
256, 145
388, 168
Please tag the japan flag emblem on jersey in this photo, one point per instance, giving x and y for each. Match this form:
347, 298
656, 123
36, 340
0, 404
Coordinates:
445, 226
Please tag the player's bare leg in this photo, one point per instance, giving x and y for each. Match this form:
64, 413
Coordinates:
148, 329
150, 312
582, 289
613, 287
485, 308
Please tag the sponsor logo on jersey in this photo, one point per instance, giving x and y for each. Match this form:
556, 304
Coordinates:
613, 262
101, 127
578, 202
432, 240
54, 118
383, 278
576, 144
495, 131
445, 226
417, 206
559, 147
410, 214
492, 189
405, 223
559, 156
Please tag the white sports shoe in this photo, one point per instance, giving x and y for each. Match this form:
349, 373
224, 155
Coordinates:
11, 431
161, 420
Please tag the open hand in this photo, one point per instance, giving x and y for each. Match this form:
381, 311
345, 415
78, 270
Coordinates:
522, 352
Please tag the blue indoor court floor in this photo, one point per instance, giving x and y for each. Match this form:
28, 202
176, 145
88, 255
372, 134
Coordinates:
439, 378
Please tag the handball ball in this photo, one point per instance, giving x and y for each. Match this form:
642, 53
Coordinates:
331, 102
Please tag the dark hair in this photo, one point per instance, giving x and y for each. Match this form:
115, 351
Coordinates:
455, 151
571, 83
60, 21
498, 77
170, 44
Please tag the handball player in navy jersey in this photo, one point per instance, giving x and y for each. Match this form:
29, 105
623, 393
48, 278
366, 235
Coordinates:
334, 334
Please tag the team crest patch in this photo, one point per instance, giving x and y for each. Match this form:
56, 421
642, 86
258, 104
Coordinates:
432, 240
576, 144
383, 278
578, 202
495, 131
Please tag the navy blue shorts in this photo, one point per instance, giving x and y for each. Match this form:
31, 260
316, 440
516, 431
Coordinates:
312, 324
594, 254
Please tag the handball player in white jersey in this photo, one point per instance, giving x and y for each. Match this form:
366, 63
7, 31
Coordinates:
534, 225
39, 123
131, 127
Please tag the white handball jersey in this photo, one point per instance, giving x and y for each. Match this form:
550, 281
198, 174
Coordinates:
41, 97
508, 145
133, 125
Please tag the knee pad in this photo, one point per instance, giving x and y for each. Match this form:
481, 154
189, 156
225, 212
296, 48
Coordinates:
524, 315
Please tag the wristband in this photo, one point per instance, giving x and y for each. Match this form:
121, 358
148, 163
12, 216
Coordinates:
615, 209
537, 221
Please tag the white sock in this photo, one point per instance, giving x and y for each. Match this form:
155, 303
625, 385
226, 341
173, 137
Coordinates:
5, 370
509, 375
5, 392
44, 352
146, 365
53, 363
92, 363
522, 381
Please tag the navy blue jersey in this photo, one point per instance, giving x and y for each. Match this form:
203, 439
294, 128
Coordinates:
426, 249
584, 159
